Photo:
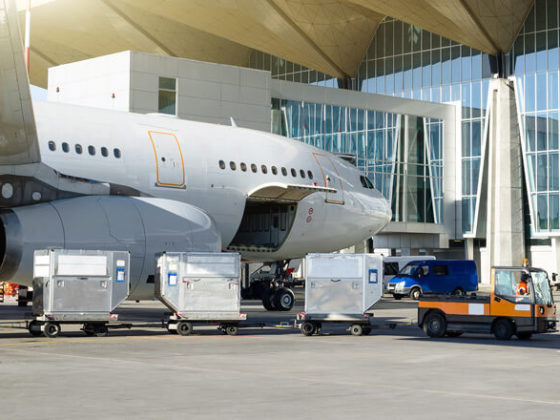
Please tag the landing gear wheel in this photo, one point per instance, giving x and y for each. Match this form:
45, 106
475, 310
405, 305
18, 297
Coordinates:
356, 329
415, 293
283, 299
35, 328
307, 328
458, 292
524, 335
503, 329
453, 334
184, 328
397, 297
232, 329
267, 301
435, 325
51, 329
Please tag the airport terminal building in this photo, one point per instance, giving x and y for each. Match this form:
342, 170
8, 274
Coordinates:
450, 108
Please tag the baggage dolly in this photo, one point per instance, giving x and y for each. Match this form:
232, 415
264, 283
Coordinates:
183, 324
311, 324
51, 325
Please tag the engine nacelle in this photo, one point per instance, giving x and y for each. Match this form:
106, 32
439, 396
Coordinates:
143, 226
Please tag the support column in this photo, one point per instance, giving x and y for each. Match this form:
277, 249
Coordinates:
504, 229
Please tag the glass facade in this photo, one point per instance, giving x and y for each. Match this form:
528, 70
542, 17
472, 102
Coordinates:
535, 63
406, 61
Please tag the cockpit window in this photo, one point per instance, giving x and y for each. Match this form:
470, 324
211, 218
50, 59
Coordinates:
363, 181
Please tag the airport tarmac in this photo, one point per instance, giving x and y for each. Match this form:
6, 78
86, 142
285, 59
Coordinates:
276, 372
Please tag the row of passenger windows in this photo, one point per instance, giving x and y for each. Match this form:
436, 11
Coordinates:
91, 149
264, 169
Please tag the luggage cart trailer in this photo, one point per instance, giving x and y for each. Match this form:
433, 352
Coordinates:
341, 288
200, 288
77, 287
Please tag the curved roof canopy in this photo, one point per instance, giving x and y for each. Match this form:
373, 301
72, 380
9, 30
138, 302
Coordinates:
330, 36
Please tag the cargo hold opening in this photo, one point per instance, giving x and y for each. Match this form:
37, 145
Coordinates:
264, 226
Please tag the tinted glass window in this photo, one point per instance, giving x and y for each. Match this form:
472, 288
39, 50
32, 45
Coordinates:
363, 181
117, 153
274, 170
79, 149
52, 146
91, 150
441, 270
222, 164
369, 184
254, 167
104, 152
232, 166
284, 171
310, 174
390, 268
243, 166
302, 173
263, 169
294, 172
65, 147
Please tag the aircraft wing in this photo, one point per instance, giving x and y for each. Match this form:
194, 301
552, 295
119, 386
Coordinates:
280, 191
18, 135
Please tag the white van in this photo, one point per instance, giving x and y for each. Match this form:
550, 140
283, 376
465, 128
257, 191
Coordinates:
392, 265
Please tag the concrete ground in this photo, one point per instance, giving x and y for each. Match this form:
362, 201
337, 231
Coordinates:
275, 373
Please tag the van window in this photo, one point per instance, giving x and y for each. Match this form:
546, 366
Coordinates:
425, 270
390, 268
441, 270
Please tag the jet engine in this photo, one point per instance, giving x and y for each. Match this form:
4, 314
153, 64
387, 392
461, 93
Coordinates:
143, 226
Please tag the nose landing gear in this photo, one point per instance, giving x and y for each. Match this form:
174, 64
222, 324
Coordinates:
272, 287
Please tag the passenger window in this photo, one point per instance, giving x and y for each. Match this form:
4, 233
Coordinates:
65, 147
243, 166
79, 149
284, 172
294, 173
310, 174
117, 153
104, 152
263, 169
91, 150
52, 146
302, 173
222, 164
232, 166
274, 170
441, 270
253, 167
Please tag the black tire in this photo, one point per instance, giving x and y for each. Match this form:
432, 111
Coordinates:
232, 330
366, 331
453, 334
267, 301
307, 328
458, 292
397, 297
356, 329
184, 328
503, 329
35, 328
415, 293
525, 335
51, 329
101, 331
283, 299
435, 325
88, 329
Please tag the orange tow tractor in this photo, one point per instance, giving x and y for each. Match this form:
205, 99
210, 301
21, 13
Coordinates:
520, 303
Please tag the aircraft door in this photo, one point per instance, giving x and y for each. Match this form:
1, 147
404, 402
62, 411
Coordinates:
170, 169
330, 177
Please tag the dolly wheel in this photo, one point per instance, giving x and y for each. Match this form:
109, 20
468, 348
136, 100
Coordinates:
524, 335
503, 329
435, 325
356, 329
51, 330
101, 330
88, 329
35, 328
232, 330
184, 328
307, 328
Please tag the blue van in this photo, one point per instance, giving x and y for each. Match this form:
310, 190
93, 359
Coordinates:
434, 276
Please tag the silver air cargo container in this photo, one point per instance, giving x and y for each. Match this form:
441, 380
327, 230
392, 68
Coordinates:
77, 286
341, 288
200, 287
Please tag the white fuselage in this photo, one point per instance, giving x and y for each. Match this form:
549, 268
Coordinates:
176, 159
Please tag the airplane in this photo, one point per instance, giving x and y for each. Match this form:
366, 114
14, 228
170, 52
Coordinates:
83, 178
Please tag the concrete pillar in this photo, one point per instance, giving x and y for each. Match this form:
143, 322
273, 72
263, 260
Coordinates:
504, 228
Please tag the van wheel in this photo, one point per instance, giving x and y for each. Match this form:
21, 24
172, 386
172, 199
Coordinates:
503, 329
415, 293
435, 325
458, 292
